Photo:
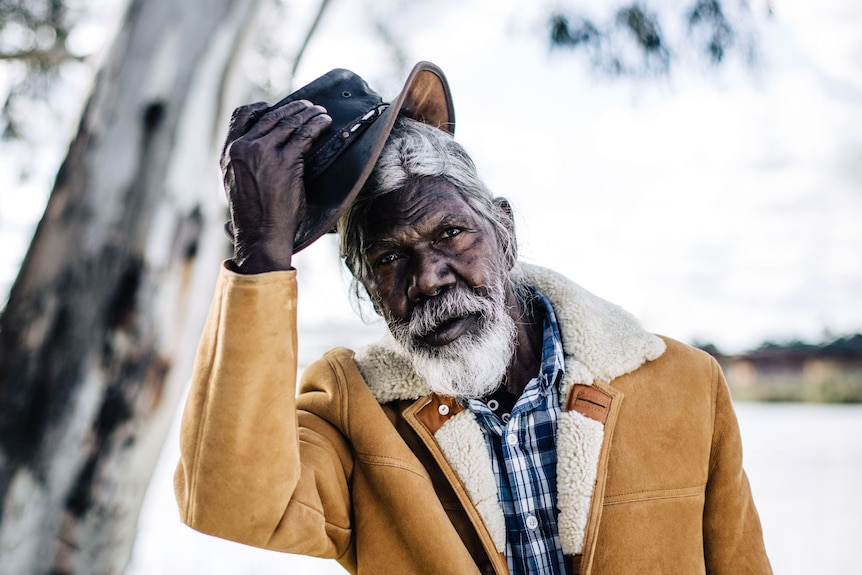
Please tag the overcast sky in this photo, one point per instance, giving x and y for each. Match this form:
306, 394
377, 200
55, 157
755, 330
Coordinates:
719, 206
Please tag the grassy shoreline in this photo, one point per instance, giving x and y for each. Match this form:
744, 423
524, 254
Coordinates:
822, 384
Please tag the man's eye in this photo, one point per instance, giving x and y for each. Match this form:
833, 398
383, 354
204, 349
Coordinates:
450, 233
387, 258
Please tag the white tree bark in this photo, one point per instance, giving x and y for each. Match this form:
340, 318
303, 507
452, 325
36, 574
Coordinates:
96, 339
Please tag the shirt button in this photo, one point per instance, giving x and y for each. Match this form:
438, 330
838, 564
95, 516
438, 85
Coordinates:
443, 409
512, 439
532, 522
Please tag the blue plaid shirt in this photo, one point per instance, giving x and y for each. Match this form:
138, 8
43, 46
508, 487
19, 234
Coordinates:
524, 459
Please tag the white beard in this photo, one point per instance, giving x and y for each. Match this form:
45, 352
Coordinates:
473, 365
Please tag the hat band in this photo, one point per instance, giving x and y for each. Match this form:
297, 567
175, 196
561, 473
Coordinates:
324, 157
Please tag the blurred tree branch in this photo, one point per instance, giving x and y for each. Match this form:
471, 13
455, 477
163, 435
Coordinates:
640, 39
33, 33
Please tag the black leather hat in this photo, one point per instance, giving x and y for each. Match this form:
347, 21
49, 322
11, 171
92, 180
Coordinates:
341, 160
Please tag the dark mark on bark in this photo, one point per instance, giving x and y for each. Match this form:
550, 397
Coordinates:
123, 301
153, 114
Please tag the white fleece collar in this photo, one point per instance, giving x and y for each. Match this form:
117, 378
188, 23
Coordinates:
600, 341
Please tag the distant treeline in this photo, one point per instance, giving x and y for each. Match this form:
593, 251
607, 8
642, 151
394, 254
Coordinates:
847, 348
796, 371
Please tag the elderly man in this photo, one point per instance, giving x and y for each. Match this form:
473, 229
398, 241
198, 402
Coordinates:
511, 422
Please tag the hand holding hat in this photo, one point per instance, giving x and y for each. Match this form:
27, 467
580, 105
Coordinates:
263, 170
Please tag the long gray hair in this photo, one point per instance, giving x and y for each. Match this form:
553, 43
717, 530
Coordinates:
415, 151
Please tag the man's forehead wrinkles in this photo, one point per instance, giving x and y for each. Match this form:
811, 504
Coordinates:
419, 216
392, 238
395, 234
394, 212
417, 208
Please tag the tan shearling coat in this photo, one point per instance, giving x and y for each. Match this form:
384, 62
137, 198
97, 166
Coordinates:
360, 464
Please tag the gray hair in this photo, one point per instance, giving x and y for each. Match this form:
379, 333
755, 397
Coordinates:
415, 151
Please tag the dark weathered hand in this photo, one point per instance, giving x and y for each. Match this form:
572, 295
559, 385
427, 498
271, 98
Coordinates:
263, 178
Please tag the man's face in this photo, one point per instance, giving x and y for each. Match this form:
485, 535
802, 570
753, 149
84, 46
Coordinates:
438, 280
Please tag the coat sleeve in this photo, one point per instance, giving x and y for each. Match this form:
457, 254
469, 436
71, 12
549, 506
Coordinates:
249, 470
733, 540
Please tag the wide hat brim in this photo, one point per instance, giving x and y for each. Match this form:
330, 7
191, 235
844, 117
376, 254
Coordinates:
425, 97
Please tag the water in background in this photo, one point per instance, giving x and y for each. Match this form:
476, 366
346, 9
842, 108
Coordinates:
804, 463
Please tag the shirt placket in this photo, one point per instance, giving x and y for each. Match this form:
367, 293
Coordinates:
522, 491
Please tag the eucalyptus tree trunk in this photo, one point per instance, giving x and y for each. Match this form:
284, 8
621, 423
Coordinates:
101, 323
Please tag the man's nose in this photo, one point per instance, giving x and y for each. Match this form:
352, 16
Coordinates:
430, 276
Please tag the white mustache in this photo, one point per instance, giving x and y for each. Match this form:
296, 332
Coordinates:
434, 312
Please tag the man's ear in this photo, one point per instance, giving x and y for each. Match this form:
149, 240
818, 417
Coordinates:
505, 215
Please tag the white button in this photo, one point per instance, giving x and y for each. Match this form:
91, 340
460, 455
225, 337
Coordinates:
505, 417
443, 409
511, 439
532, 522
493, 405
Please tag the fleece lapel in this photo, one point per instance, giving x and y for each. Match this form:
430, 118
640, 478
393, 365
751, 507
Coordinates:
601, 342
